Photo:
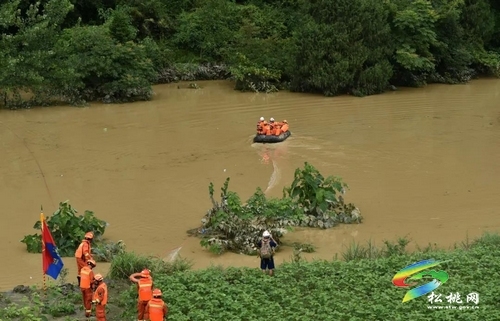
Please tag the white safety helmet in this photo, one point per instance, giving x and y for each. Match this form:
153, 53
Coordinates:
266, 234
261, 119
272, 119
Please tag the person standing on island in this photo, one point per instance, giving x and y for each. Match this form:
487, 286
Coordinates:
266, 247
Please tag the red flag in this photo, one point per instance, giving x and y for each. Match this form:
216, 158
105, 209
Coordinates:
51, 261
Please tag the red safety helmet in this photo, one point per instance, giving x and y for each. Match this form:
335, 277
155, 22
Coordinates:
156, 292
145, 273
89, 235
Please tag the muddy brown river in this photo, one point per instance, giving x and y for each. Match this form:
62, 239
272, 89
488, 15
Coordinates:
422, 163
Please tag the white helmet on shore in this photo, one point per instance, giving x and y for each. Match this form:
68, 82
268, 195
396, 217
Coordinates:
266, 234
261, 119
271, 119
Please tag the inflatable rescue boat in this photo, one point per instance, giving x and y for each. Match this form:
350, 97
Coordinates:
269, 139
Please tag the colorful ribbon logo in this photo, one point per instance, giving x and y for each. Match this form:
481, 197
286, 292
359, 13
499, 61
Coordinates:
440, 277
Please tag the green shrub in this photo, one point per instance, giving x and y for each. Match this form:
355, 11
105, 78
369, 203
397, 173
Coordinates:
67, 229
124, 264
312, 200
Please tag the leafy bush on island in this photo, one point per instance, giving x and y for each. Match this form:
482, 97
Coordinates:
68, 230
311, 201
77, 51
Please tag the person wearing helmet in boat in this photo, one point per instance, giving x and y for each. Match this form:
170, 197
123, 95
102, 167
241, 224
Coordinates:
84, 253
284, 126
157, 309
277, 128
100, 298
272, 126
260, 126
145, 290
266, 247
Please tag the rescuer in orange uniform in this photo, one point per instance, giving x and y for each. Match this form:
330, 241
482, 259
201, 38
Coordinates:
156, 308
260, 126
284, 126
84, 253
144, 283
100, 298
86, 286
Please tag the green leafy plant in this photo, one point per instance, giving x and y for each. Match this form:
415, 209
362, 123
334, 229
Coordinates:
311, 200
68, 229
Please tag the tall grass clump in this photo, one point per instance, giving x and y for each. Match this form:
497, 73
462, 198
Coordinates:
124, 264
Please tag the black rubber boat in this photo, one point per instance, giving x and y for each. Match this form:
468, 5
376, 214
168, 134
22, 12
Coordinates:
270, 139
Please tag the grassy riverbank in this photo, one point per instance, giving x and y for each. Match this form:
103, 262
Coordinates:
355, 287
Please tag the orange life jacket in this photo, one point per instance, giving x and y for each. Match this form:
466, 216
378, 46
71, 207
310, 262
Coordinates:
267, 129
260, 127
86, 276
157, 309
83, 251
284, 128
101, 294
145, 289
277, 128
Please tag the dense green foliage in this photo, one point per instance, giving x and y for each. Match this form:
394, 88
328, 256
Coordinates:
311, 200
336, 290
76, 51
68, 230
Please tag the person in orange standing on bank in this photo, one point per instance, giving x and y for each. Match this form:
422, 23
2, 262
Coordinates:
156, 308
86, 286
84, 253
100, 298
144, 283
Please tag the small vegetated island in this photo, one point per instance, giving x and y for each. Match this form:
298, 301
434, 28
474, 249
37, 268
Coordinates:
310, 201
80, 51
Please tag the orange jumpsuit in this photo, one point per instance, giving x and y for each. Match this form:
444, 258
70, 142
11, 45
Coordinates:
82, 255
277, 128
260, 127
145, 289
157, 309
267, 129
101, 296
87, 276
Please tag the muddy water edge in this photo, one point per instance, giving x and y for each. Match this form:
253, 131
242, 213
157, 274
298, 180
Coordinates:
421, 163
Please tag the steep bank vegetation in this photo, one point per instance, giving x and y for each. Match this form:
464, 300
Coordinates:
77, 51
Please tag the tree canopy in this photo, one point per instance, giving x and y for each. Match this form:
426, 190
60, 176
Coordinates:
76, 51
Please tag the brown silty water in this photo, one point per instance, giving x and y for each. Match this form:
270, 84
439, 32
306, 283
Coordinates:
421, 163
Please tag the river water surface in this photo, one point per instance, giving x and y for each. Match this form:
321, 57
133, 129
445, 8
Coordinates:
422, 163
